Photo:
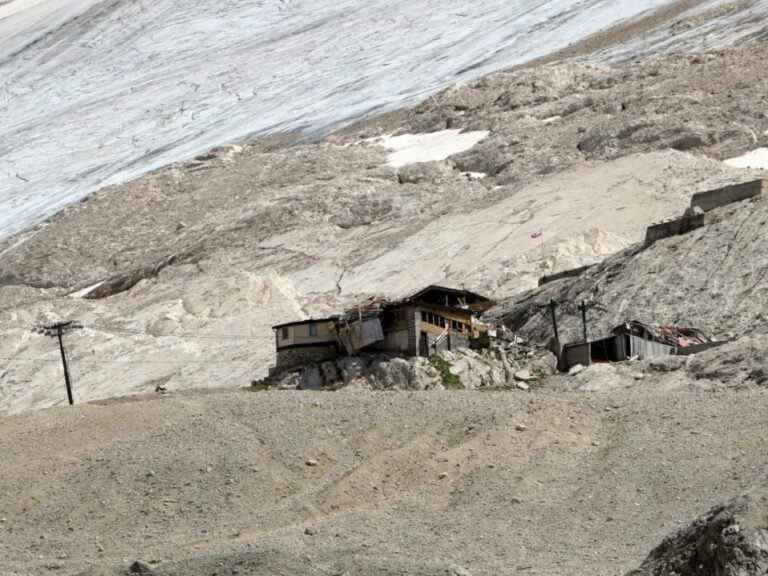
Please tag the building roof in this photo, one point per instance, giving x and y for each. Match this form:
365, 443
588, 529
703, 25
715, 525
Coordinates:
304, 322
676, 336
451, 299
446, 290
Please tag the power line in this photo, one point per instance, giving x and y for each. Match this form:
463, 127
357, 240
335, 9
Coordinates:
130, 362
125, 330
121, 329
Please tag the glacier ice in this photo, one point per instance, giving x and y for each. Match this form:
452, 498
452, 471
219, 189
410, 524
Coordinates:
96, 92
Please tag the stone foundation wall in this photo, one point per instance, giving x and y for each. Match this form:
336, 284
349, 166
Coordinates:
295, 357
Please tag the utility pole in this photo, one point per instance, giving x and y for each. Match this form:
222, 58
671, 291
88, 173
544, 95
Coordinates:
583, 308
552, 309
58, 330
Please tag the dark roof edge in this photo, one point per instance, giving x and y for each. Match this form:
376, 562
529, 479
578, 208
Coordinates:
303, 322
449, 290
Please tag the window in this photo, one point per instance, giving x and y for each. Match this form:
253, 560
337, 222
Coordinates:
424, 316
442, 322
284, 333
313, 329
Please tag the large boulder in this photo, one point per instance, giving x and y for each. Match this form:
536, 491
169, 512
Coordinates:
741, 362
730, 540
403, 374
352, 368
311, 378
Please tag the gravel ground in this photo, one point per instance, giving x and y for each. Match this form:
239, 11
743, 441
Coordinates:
547, 482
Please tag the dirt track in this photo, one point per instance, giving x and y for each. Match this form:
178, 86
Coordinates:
403, 483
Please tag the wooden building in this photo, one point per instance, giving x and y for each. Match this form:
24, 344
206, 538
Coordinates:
305, 341
433, 319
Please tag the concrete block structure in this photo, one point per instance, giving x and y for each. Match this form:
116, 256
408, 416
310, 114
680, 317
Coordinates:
712, 199
692, 219
634, 339
572, 273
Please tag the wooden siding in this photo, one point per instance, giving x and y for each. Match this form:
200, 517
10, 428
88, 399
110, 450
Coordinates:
299, 334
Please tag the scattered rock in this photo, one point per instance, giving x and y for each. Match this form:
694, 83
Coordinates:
524, 376
454, 570
666, 363
141, 568
521, 427
424, 172
311, 462
577, 369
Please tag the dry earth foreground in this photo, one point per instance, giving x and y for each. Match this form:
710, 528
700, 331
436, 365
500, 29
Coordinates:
178, 276
545, 482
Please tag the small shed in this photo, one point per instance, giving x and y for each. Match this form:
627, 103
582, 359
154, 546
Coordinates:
635, 339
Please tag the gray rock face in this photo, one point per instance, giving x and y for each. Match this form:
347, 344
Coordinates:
311, 378
717, 272
403, 374
730, 540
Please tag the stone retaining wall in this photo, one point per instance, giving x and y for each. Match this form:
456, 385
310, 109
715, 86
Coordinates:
564, 274
682, 225
712, 199
295, 357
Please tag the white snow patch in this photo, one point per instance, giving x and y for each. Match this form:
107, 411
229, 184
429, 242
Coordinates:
757, 158
85, 291
475, 175
551, 119
414, 148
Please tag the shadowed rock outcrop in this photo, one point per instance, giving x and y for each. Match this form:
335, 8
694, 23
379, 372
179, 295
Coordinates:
730, 540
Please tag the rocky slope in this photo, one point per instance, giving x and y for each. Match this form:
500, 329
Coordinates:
205, 256
731, 539
177, 276
713, 278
